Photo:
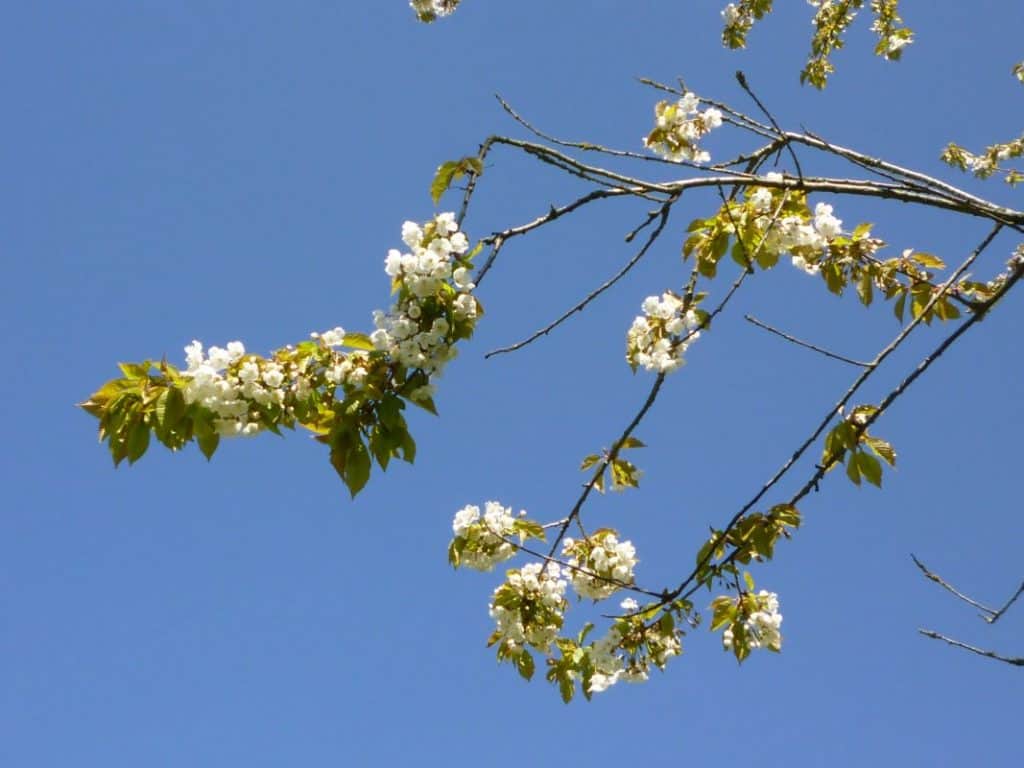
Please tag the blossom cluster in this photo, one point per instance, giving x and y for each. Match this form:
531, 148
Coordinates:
528, 609
600, 564
804, 239
431, 10
610, 665
679, 126
761, 627
481, 543
434, 309
237, 395
658, 338
629, 648
434, 296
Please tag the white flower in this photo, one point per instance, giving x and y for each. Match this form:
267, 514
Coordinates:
801, 263
194, 355
461, 279
236, 350
249, 372
601, 565
412, 235
334, 337
273, 376
828, 226
481, 543
712, 118
762, 627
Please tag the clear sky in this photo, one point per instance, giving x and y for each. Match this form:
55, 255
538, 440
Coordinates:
232, 171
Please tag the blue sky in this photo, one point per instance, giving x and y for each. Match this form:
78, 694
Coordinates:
224, 171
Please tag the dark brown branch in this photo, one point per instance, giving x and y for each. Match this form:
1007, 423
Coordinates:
807, 345
607, 460
812, 483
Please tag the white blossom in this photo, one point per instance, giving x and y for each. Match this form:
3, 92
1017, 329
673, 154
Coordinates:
762, 626
600, 565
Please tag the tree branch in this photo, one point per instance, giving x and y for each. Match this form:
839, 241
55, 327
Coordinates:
793, 339
663, 213
1017, 661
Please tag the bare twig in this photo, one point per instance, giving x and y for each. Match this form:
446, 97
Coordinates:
989, 615
999, 614
663, 214
807, 345
587, 146
1017, 661
742, 80
951, 589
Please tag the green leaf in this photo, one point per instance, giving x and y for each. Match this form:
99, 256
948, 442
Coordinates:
170, 407
884, 450
449, 172
589, 461
525, 665
455, 551
137, 442
786, 514
632, 442
566, 687
899, 307
853, 469
426, 403
528, 529
358, 341
870, 468
442, 180
724, 611
208, 443
928, 260
135, 370
748, 580
865, 289
862, 231
357, 467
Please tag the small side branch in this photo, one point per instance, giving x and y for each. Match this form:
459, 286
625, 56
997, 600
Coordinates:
989, 615
742, 80
820, 350
663, 214
1017, 661
986, 611
998, 614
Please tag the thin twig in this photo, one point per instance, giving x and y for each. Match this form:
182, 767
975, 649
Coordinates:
549, 558
999, 614
820, 350
742, 80
819, 473
608, 459
951, 589
1017, 661
587, 146
497, 240
663, 213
